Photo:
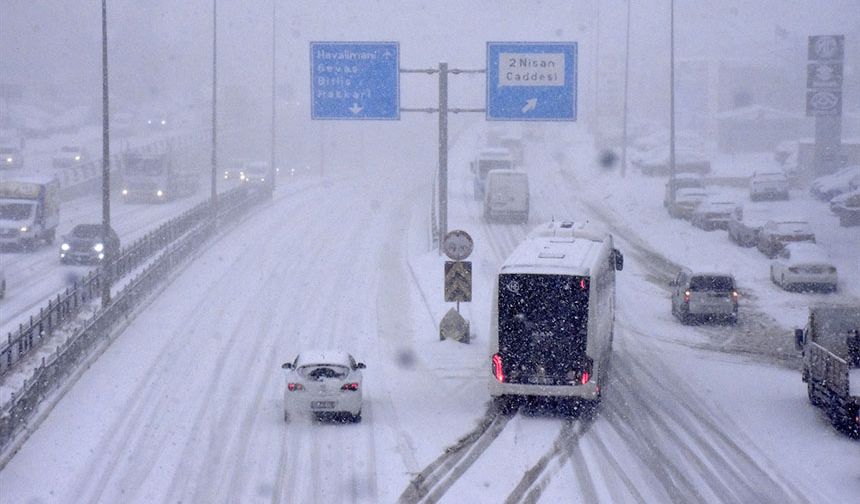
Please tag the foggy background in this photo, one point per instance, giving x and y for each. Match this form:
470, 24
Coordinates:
728, 54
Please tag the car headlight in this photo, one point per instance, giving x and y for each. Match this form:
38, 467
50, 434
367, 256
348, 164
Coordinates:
163, 122
159, 193
98, 247
125, 192
262, 179
9, 160
77, 158
64, 247
24, 229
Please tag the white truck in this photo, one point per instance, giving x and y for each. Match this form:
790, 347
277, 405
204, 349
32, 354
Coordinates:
29, 211
830, 345
486, 160
507, 195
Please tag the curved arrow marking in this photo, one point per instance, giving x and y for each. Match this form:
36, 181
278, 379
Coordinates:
355, 109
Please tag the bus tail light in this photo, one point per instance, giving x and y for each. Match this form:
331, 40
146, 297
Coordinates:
686, 296
498, 372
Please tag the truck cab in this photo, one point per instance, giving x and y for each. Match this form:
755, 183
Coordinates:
29, 211
830, 349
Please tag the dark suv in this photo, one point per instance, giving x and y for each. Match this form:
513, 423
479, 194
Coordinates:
86, 244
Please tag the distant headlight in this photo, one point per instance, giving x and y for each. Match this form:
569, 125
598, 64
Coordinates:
98, 247
159, 193
64, 247
125, 192
77, 158
262, 179
163, 122
101, 256
9, 160
24, 229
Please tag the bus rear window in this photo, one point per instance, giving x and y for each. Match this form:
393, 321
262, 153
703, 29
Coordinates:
543, 321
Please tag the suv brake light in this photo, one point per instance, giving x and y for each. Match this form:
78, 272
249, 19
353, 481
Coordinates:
350, 386
293, 387
686, 296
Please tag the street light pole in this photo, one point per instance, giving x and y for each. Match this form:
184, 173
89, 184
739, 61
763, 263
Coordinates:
108, 251
214, 195
274, 94
672, 100
626, 80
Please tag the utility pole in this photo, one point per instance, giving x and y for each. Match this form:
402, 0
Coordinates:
214, 195
108, 251
272, 170
626, 80
443, 150
672, 100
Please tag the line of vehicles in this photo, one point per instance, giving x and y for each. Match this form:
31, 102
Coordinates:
500, 181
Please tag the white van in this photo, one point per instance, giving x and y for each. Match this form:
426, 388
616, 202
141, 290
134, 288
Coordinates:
507, 195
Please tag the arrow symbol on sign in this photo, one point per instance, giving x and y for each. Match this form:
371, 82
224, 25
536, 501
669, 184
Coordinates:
530, 105
355, 109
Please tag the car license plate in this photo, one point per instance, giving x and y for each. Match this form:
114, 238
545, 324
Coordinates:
322, 404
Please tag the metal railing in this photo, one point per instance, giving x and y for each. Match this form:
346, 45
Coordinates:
68, 304
200, 223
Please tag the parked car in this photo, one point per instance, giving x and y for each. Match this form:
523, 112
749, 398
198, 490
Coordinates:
656, 161
686, 202
69, 156
323, 382
847, 208
775, 234
712, 215
681, 181
803, 266
86, 244
704, 296
746, 223
768, 185
827, 187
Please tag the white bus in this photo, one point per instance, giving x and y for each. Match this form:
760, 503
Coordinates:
552, 319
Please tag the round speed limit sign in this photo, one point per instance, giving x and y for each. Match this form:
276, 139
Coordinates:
457, 245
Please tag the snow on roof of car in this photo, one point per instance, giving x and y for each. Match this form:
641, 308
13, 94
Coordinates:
805, 252
323, 357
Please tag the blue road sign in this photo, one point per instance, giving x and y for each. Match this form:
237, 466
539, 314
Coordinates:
531, 81
355, 80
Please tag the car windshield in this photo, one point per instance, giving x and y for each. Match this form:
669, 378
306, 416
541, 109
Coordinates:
319, 372
711, 283
87, 231
12, 211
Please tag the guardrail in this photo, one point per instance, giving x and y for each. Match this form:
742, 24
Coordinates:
49, 375
68, 304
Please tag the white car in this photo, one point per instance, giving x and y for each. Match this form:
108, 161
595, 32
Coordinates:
803, 265
768, 185
827, 187
326, 382
256, 171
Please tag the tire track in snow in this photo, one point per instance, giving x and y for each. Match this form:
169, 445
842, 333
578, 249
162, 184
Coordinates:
447, 468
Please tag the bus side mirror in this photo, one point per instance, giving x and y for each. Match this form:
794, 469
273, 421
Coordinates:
619, 259
286, 365
799, 339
